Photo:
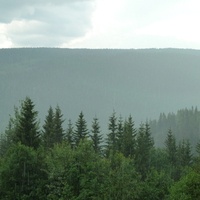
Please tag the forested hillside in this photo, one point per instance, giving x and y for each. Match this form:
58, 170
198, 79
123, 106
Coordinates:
185, 124
142, 83
45, 161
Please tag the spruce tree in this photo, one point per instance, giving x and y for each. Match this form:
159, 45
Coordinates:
96, 136
81, 131
119, 135
48, 129
129, 140
27, 127
58, 128
111, 139
144, 146
184, 153
171, 148
69, 133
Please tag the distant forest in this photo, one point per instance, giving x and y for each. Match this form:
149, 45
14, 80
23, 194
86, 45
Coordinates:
185, 124
49, 162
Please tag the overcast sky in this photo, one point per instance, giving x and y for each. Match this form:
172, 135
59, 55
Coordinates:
100, 23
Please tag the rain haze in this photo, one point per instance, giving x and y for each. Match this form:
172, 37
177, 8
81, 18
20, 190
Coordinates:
100, 99
122, 55
100, 24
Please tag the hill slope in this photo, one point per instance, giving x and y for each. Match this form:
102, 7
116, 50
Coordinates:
138, 82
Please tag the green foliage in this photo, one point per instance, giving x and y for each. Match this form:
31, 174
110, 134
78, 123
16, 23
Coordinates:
143, 149
185, 125
129, 138
70, 133
58, 129
74, 174
20, 175
122, 181
52, 129
119, 135
48, 129
27, 126
111, 139
81, 132
131, 168
188, 187
156, 186
7, 139
96, 136
171, 148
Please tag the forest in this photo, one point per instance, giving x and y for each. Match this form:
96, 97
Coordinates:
43, 160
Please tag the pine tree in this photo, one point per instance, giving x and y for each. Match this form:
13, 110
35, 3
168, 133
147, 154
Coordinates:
96, 136
48, 129
58, 129
27, 127
81, 131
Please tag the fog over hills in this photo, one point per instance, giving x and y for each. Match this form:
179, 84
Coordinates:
142, 83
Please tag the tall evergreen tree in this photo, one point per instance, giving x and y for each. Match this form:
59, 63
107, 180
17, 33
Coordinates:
184, 153
144, 146
27, 127
48, 129
69, 133
58, 128
119, 135
111, 139
96, 136
81, 131
6, 138
171, 148
129, 138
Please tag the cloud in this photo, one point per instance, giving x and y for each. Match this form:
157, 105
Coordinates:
44, 23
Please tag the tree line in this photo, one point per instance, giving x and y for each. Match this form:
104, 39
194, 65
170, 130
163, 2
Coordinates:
79, 163
185, 124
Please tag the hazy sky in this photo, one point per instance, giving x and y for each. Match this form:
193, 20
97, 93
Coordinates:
100, 23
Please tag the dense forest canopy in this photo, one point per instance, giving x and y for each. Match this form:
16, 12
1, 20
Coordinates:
99, 124
49, 162
142, 83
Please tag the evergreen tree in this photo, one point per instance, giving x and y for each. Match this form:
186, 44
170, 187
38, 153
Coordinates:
119, 135
171, 148
69, 133
198, 149
172, 155
58, 129
148, 136
184, 153
48, 129
144, 146
27, 126
96, 136
6, 139
111, 139
81, 131
129, 140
